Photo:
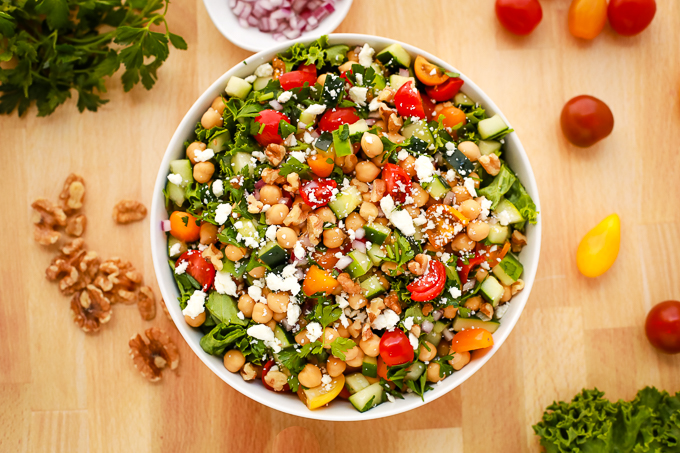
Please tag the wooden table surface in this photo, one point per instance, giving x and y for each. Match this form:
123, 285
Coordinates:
65, 391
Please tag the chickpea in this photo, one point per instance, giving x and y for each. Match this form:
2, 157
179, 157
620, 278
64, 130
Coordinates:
459, 360
357, 301
380, 160
234, 253
339, 160
358, 359
507, 294
286, 237
409, 165
481, 274
349, 164
270, 194
354, 221
461, 194
197, 321
271, 324
191, 151
298, 200
310, 376
412, 210
301, 337
450, 312
261, 313
433, 372
276, 214
384, 282
278, 317
368, 211
470, 209
326, 215
219, 105
354, 329
478, 231
211, 118
346, 66
342, 331
333, 237
371, 144
246, 304
371, 347
208, 233
380, 126
382, 221
367, 171
471, 150
475, 177
278, 302
203, 171
390, 268
425, 355
257, 272
321, 80
419, 195
462, 243
335, 366
329, 335
234, 360
474, 303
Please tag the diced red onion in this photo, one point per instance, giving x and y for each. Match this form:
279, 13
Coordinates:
374, 115
360, 246
448, 199
165, 225
343, 262
447, 334
284, 323
243, 23
238, 9
276, 105
437, 315
259, 184
252, 21
256, 194
403, 72
426, 326
287, 201
304, 240
360, 233
371, 121
232, 4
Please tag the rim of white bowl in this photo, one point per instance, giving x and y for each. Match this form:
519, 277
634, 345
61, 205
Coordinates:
289, 403
255, 40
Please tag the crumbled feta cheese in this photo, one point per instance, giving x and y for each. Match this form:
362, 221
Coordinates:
403, 221
314, 331
181, 267
293, 314
390, 398
326, 379
315, 109
175, 249
240, 315
256, 293
469, 184
360, 79
504, 218
251, 78
290, 140
299, 155
413, 340
264, 333
387, 205
218, 188
253, 243
450, 148
455, 292
285, 97
224, 284
299, 250
270, 234
264, 70
424, 168
203, 156
222, 213
259, 155
501, 310
374, 104
341, 300
366, 56
358, 95
281, 283
385, 320
308, 138
195, 304
408, 323
402, 154
175, 179
486, 207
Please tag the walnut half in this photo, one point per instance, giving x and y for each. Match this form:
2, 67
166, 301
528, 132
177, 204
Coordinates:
47, 217
150, 357
90, 309
146, 303
128, 211
73, 193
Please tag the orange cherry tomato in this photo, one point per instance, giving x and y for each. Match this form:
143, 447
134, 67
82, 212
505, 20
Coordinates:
428, 73
327, 259
587, 18
471, 339
318, 281
320, 164
184, 226
453, 116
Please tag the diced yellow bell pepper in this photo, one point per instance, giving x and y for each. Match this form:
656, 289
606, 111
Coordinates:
319, 396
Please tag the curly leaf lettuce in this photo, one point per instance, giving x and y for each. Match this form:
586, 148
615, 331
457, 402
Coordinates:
318, 53
500, 185
519, 197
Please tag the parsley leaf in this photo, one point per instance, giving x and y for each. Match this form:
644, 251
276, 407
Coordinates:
292, 165
340, 346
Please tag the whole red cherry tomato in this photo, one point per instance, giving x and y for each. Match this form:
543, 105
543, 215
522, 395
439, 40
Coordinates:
408, 102
334, 118
519, 16
297, 79
446, 91
265, 369
201, 270
429, 285
318, 192
630, 17
270, 134
586, 120
398, 182
663, 326
395, 349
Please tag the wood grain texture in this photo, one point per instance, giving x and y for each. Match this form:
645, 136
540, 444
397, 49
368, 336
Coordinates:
64, 391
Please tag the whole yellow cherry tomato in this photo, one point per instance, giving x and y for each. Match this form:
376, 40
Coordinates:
587, 18
599, 247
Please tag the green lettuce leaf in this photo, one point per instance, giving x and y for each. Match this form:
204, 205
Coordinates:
500, 185
518, 196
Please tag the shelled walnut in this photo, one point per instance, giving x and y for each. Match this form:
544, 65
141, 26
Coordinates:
152, 355
90, 309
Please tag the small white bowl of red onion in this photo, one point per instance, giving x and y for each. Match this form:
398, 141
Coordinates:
260, 24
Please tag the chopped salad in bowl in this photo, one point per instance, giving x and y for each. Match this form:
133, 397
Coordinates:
344, 225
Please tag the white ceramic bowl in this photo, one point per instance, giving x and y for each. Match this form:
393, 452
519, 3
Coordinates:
253, 39
289, 403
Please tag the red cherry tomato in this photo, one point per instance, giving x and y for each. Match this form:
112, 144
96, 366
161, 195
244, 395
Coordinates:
663, 326
630, 17
270, 134
446, 91
429, 285
408, 102
265, 370
428, 106
297, 79
317, 193
395, 349
200, 269
310, 68
334, 118
519, 16
398, 182
586, 120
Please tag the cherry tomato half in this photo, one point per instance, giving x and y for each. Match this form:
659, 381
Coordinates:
270, 134
630, 17
586, 120
446, 91
429, 285
201, 270
309, 68
265, 369
297, 79
395, 348
317, 193
519, 16
428, 73
408, 102
663, 326
334, 118
398, 182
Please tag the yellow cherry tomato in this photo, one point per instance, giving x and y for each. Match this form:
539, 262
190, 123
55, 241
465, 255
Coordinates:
319, 396
599, 247
587, 18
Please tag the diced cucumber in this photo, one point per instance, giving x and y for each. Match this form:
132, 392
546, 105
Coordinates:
464, 312
376, 254
217, 143
377, 233
474, 323
261, 83
369, 367
498, 233
360, 264
459, 162
241, 160
438, 188
238, 88
367, 398
415, 371
492, 290
396, 81
508, 270
346, 202
371, 287
487, 147
272, 254
462, 99
247, 229
284, 337
379, 82
507, 213
491, 127
306, 119
342, 146
171, 243
394, 55
183, 168
435, 335
356, 382
418, 130
230, 267
175, 193
324, 142
358, 127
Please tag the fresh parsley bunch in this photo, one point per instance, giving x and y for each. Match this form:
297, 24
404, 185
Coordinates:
52, 47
